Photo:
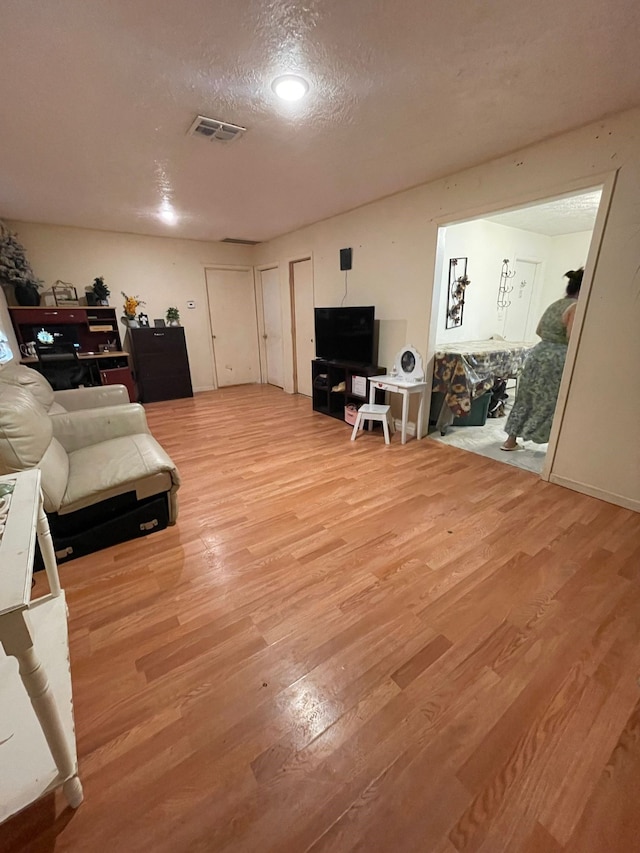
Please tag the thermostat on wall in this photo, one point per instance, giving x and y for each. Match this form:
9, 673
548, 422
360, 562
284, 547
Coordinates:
191, 304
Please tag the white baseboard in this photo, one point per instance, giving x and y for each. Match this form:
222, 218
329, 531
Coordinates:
594, 492
203, 388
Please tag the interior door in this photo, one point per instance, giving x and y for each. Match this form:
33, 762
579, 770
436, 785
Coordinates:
517, 320
234, 327
272, 313
303, 323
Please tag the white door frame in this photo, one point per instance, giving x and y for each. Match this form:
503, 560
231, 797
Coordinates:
605, 179
236, 268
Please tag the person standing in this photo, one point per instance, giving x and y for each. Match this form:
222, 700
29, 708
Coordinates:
539, 385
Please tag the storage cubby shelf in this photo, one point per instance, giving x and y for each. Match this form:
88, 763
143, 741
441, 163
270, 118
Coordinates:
326, 375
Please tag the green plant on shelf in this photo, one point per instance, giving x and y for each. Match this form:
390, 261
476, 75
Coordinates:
101, 290
173, 316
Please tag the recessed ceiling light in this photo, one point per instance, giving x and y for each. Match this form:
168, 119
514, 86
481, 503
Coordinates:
167, 213
290, 87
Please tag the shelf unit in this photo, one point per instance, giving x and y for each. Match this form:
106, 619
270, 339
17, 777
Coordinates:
326, 375
96, 326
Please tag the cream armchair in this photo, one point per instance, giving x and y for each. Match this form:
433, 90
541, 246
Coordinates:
56, 402
105, 479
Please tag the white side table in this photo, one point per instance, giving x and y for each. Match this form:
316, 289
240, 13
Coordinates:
397, 385
37, 750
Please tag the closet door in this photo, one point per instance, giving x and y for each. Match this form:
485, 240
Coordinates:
272, 313
234, 327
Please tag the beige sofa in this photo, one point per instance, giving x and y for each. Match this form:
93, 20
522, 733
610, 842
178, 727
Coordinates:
104, 477
56, 402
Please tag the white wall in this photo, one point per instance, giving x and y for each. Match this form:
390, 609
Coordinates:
394, 242
486, 244
568, 252
162, 271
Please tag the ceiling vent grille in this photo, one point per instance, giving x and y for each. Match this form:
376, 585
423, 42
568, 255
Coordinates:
240, 241
213, 128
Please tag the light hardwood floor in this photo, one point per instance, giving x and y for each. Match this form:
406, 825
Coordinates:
344, 646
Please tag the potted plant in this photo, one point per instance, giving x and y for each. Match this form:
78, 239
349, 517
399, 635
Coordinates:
15, 269
130, 308
101, 291
173, 317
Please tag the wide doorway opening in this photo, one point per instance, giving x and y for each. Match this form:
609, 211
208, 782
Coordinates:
495, 277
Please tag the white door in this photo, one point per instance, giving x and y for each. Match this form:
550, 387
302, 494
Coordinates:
272, 313
234, 328
303, 323
517, 323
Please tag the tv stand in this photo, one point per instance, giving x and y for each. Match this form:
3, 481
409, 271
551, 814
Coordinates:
327, 374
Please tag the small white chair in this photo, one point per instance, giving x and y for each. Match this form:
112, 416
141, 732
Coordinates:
374, 412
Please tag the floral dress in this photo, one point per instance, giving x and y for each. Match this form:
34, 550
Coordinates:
535, 405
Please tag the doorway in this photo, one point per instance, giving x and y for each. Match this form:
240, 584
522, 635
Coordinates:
515, 262
272, 320
302, 324
234, 328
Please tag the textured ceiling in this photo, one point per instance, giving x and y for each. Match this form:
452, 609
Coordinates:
563, 216
96, 98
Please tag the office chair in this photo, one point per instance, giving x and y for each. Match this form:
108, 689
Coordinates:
59, 364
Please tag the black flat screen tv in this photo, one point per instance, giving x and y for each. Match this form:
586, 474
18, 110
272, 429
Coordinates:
345, 334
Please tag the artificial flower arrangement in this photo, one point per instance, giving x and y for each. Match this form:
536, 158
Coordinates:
131, 304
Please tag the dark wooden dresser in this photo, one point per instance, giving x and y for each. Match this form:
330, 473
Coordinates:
160, 363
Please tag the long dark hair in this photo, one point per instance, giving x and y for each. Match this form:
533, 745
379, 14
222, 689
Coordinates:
575, 281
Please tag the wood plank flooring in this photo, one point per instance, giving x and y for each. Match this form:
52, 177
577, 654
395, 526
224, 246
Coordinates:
346, 646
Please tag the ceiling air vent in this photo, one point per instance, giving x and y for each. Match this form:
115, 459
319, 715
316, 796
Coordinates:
212, 128
240, 240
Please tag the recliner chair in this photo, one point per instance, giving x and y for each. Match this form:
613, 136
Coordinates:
105, 479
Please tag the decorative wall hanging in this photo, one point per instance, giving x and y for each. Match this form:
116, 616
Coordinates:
504, 288
458, 283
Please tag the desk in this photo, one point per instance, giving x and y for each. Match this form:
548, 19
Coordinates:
401, 386
37, 742
83, 356
91, 328
107, 368
464, 371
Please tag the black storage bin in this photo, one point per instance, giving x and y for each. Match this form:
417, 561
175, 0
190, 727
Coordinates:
478, 414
